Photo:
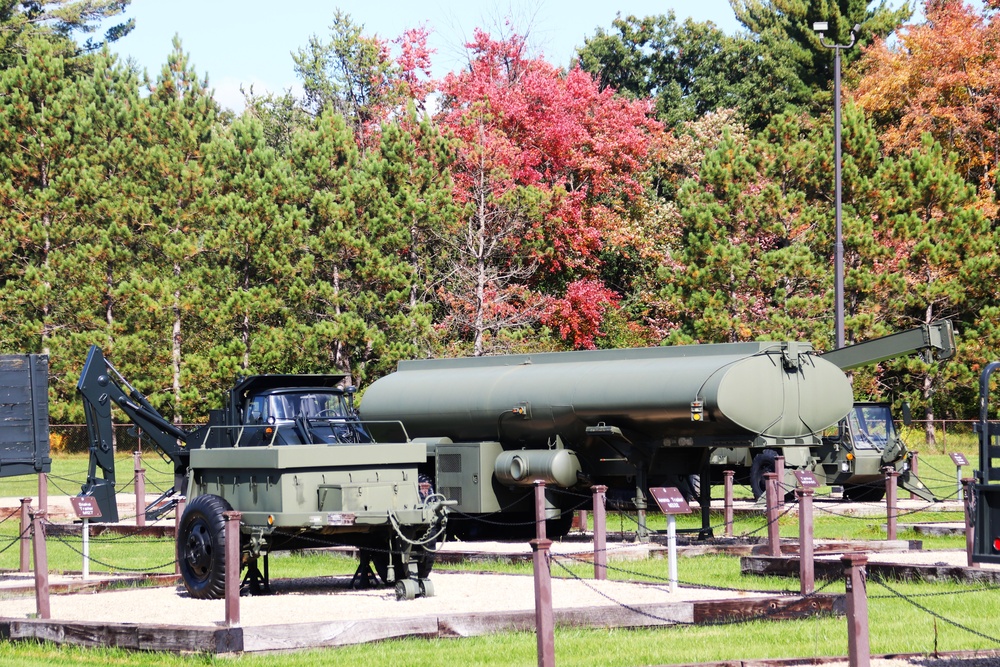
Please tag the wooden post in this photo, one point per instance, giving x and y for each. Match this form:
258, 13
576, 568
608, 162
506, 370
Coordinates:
771, 495
807, 580
858, 651
727, 505
913, 471
25, 535
232, 555
41, 565
544, 622
539, 509
43, 492
891, 506
582, 521
600, 533
970, 527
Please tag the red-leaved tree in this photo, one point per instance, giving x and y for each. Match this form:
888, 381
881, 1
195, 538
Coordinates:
548, 165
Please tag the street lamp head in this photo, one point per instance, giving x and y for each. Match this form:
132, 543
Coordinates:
820, 26
856, 28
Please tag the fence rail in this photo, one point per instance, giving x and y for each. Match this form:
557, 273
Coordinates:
73, 438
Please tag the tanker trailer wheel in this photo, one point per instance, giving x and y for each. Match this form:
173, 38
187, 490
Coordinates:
762, 463
201, 547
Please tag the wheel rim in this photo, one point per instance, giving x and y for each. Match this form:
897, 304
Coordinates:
198, 550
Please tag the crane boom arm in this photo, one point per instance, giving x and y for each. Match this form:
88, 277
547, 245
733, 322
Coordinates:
936, 337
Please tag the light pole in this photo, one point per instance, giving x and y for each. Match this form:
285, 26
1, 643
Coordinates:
838, 261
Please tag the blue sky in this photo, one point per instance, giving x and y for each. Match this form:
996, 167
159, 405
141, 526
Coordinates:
249, 42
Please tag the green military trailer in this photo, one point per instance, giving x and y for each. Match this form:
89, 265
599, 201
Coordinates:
289, 454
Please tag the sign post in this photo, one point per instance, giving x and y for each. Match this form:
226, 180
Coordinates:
86, 509
806, 487
671, 502
959, 459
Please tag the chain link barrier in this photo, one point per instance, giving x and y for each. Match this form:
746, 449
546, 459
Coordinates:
909, 599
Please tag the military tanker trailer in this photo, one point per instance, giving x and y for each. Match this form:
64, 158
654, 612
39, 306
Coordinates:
628, 419
289, 454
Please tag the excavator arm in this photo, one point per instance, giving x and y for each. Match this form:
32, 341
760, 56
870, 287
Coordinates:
100, 386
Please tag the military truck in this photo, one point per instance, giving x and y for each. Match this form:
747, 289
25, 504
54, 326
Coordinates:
289, 453
628, 419
24, 415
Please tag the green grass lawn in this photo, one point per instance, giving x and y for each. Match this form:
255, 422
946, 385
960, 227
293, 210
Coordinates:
896, 624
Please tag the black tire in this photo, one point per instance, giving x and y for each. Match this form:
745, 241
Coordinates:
556, 529
864, 493
694, 481
201, 547
762, 464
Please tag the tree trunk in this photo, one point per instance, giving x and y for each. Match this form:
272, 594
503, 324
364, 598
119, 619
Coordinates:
176, 343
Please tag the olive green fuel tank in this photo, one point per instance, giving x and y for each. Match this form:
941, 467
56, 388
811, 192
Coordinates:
771, 389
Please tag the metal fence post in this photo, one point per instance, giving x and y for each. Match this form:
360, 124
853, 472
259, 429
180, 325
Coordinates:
25, 535
41, 565
232, 555
970, 520
779, 471
807, 580
891, 506
600, 533
858, 651
178, 513
771, 496
727, 503
140, 491
544, 622
913, 471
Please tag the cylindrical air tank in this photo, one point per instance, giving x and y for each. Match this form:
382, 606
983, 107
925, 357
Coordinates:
773, 389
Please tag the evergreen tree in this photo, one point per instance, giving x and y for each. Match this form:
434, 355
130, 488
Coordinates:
745, 267
374, 221
260, 239
39, 154
176, 282
785, 28
23, 22
943, 248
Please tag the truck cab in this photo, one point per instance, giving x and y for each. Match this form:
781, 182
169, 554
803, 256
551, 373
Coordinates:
856, 452
300, 415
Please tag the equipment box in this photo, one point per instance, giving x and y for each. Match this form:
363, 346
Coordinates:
24, 414
465, 474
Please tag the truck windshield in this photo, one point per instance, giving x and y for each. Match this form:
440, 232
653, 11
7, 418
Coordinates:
871, 426
288, 406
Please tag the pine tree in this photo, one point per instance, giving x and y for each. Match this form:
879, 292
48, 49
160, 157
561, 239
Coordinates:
943, 249
175, 284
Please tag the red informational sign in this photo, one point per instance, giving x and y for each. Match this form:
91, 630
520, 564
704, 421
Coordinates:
85, 507
670, 500
959, 459
807, 480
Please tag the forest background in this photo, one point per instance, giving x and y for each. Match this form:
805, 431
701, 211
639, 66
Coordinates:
673, 186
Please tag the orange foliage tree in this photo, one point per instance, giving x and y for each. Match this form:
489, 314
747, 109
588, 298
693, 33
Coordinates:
941, 77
